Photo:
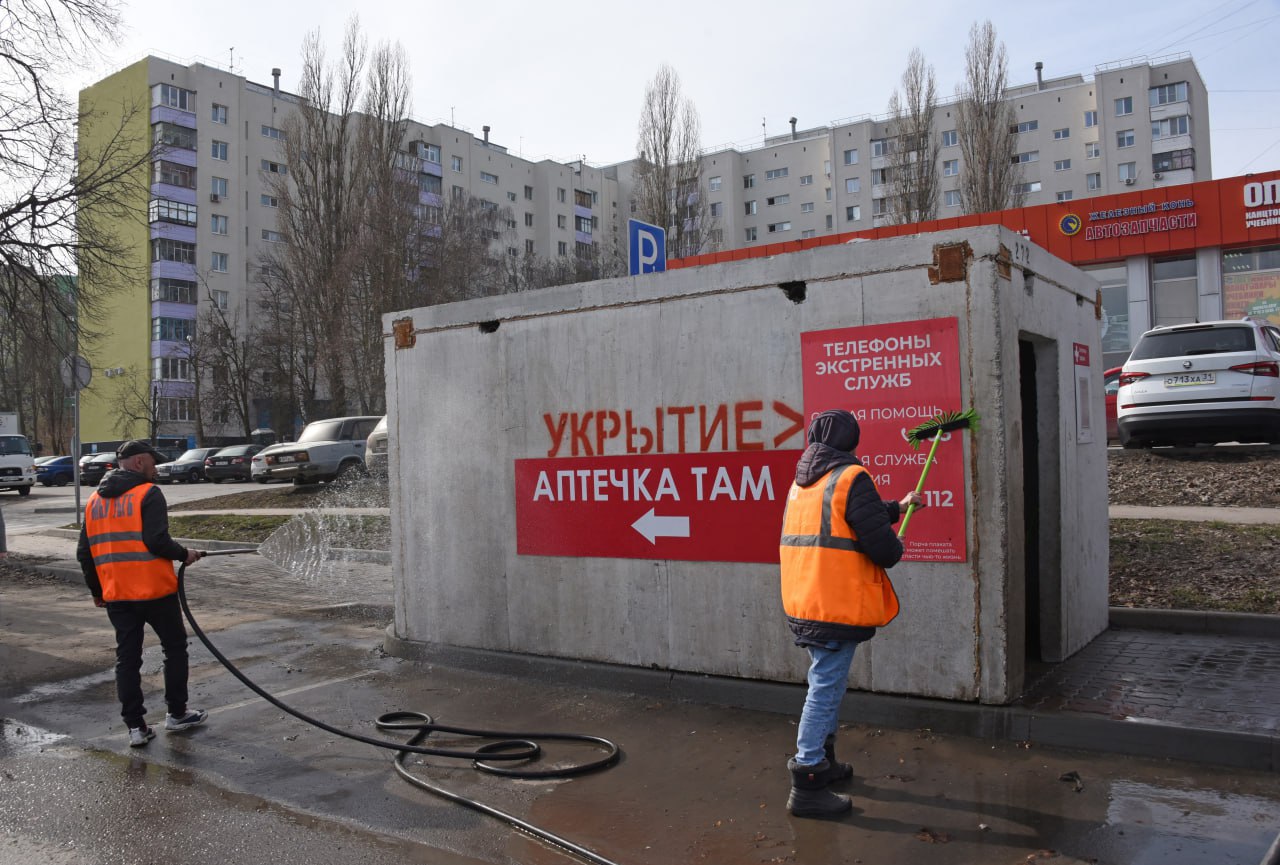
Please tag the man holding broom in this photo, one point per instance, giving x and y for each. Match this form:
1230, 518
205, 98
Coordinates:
837, 541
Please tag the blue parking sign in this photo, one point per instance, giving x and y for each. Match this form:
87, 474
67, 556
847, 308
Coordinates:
647, 245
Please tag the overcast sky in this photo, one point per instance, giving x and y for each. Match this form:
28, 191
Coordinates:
565, 80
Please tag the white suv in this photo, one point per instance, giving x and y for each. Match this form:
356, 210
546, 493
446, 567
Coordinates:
1203, 383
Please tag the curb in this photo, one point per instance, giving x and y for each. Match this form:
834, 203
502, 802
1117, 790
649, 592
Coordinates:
1197, 622
1012, 723
1272, 856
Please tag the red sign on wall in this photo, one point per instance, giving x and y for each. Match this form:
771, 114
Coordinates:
712, 507
893, 377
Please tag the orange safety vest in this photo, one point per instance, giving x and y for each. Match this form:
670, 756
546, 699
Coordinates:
127, 570
825, 576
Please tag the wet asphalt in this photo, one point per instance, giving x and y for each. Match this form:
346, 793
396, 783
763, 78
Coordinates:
698, 782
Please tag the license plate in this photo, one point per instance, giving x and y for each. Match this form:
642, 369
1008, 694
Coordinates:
221, 462
1188, 379
286, 459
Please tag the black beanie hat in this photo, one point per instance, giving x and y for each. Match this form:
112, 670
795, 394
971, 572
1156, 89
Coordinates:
835, 428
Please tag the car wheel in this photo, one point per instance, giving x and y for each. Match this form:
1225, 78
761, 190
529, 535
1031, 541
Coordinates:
193, 476
62, 482
24, 491
215, 480
46, 482
261, 480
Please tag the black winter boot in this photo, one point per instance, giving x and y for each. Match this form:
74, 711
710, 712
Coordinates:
839, 771
810, 796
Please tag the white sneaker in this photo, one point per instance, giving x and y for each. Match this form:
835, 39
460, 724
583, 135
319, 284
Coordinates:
193, 718
139, 736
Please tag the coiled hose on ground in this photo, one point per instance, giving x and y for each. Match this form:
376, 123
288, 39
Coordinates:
504, 747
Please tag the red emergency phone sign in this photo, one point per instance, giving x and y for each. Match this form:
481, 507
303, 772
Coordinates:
714, 507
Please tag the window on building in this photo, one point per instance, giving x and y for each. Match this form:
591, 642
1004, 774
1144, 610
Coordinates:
950, 167
219, 262
1124, 138
272, 236
218, 186
1062, 165
164, 210
1065, 195
268, 200
582, 198
173, 290
879, 206
831, 220
1167, 93
173, 174
562, 248
1090, 119
1173, 160
882, 146
1028, 156
528, 220
274, 167
1092, 150
950, 138
1093, 182
850, 157
806, 180
828, 193
749, 208
173, 97
716, 208
584, 251
748, 181
511, 196
458, 193
713, 184
777, 200
779, 226
852, 213
220, 298
1171, 126
455, 163
219, 150
219, 113
582, 224
218, 224
716, 238
879, 176
273, 132
528, 193
808, 232
1173, 290
1243, 270
1027, 188
486, 177
430, 183
853, 185
1059, 134
171, 135
750, 234
171, 368
951, 198
430, 153
163, 249
826, 167
528, 247
1025, 126
562, 221
806, 207
1124, 105
172, 329
1127, 171
173, 409
561, 195
775, 173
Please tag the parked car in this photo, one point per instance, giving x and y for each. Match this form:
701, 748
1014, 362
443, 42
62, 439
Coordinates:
55, 471
258, 465
98, 465
1203, 383
1110, 388
230, 463
375, 450
326, 450
189, 467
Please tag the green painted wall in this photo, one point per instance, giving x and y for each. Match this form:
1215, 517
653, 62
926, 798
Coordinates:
120, 318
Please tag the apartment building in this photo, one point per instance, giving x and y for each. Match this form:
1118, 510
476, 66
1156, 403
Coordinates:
1133, 125
210, 217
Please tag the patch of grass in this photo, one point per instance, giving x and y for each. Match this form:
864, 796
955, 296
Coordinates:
241, 528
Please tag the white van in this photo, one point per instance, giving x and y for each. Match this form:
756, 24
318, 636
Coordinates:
17, 465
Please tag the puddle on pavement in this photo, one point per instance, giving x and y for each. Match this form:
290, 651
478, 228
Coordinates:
65, 687
18, 738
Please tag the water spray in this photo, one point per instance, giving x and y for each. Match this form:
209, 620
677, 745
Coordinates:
495, 756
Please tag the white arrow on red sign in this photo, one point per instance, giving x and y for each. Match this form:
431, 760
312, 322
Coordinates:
653, 526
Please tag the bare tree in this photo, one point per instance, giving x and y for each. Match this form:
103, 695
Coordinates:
223, 356
987, 126
668, 174
465, 253
913, 162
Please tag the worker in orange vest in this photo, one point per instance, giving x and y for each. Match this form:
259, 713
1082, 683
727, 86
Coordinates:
837, 541
127, 557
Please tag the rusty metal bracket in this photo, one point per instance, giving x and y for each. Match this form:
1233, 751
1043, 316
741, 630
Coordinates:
404, 333
950, 262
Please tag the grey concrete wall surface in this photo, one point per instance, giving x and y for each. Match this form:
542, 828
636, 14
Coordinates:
475, 386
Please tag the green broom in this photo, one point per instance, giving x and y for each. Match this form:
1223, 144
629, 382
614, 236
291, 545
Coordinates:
933, 429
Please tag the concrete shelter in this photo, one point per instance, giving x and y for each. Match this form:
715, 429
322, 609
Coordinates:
532, 434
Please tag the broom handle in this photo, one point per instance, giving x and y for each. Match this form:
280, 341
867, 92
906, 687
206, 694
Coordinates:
911, 509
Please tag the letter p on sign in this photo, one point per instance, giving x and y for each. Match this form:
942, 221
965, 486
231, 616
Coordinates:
648, 247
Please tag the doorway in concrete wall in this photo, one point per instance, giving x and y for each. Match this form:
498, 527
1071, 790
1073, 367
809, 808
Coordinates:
1041, 493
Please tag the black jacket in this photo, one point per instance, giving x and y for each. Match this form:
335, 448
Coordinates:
871, 519
155, 524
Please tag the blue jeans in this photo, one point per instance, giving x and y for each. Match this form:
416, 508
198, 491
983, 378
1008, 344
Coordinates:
828, 680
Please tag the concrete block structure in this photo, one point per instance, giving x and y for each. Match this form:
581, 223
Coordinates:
597, 471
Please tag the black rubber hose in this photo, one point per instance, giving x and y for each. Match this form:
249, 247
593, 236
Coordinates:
506, 747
